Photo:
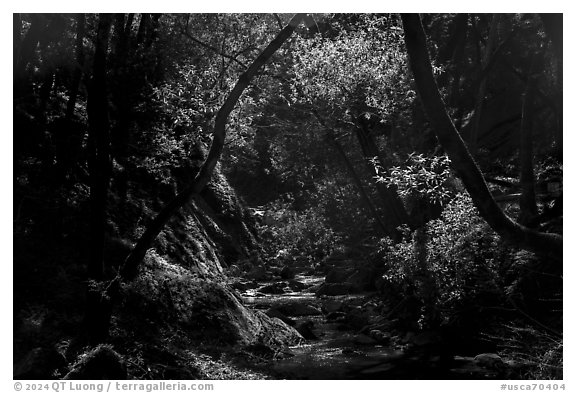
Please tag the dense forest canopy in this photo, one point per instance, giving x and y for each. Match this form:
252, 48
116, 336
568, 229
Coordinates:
426, 149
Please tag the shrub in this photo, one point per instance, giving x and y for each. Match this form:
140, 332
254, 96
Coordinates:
288, 234
450, 266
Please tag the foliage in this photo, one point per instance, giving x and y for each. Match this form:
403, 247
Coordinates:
355, 71
462, 258
289, 235
424, 177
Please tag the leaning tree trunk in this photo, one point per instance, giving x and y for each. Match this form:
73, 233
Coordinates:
465, 166
130, 266
102, 305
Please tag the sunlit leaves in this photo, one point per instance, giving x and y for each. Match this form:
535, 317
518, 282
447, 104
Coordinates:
357, 71
423, 177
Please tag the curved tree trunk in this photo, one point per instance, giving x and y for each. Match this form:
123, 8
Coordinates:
465, 166
130, 266
99, 307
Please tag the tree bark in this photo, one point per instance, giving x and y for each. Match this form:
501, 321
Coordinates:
77, 77
99, 145
465, 166
17, 37
528, 208
553, 25
486, 59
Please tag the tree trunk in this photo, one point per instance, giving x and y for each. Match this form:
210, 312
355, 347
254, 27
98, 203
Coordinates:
144, 21
99, 145
331, 136
553, 25
130, 266
77, 77
122, 93
27, 47
100, 306
465, 166
528, 208
394, 211
486, 58
16, 38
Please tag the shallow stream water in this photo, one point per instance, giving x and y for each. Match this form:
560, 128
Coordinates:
339, 352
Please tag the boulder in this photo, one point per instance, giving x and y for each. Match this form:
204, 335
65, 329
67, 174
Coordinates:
338, 275
297, 309
331, 305
380, 336
275, 313
362, 339
296, 285
490, 361
207, 311
336, 289
234, 271
305, 328
276, 288
337, 316
257, 273
244, 285
287, 273
363, 278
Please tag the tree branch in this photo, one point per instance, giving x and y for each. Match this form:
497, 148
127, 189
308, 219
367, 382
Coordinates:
213, 49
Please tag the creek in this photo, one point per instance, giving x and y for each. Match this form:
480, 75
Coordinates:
339, 350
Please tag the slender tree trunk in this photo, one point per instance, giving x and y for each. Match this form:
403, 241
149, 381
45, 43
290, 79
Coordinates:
29, 43
27, 47
99, 145
553, 25
460, 33
528, 208
144, 21
488, 52
130, 266
465, 166
77, 77
122, 93
17, 37
128, 25
394, 211
331, 136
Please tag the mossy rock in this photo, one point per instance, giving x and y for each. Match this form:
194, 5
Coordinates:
206, 309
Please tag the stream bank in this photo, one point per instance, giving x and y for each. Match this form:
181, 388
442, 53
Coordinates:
348, 337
